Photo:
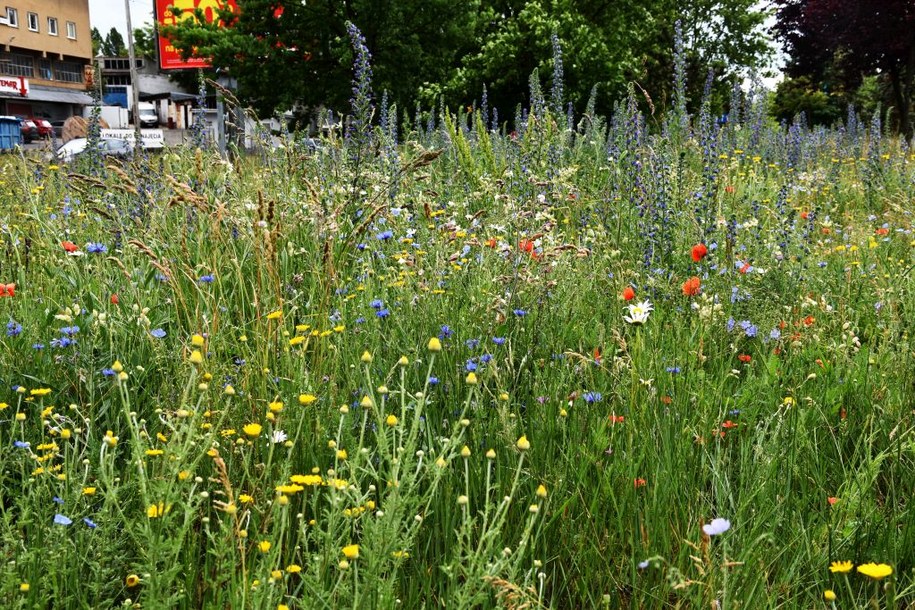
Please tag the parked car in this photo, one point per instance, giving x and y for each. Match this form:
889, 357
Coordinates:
29, 129
45, 130
148, 115
78, 146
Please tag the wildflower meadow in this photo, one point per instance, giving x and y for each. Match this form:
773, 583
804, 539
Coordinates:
635, 361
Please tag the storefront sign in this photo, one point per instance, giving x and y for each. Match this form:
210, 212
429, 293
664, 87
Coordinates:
169, 56
14, 84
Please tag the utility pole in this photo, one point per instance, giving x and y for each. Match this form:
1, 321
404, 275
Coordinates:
134, 80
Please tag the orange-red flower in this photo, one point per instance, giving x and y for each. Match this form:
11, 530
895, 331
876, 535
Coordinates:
699, 251
745, 358
882, 231
832, 500
616, 419
69, 246
692, 286
628, 293
639, 483
7, 290
526, 245
729, 424
114, 298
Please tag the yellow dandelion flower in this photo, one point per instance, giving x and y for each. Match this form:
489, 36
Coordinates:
264, 546
435, 345
196, 357
252, 430
829, 595
523, 444
197, 340
275, 315
293, 568
307, 399
351, 551
391, 420
840, 567
132, 580
876, 571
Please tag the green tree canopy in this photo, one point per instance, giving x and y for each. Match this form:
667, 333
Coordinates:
283, 53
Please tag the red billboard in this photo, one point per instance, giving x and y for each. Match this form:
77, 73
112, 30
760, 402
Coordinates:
169, 56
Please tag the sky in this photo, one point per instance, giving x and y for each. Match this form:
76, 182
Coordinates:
107, 14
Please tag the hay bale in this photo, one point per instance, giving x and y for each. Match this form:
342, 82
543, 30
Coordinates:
78, 127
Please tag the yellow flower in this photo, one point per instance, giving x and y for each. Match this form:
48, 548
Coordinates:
465, 451
541, 491
471, 378
275, 315
245, 499
400, 554
341, 454
132, 580
20, 416
312, 480
196, 357
840, 567
366, 357
296, 341
391, 420
40, 392
293, 568
154, 452
276, 574
229, 390
24, 587
403, 361
252, 430
435, 345
307, 399
154, 511
264, 546
197, 340
877, 571
88, 491
829, 595
523, 444
117, 367
275, 406
366, 402
351, 551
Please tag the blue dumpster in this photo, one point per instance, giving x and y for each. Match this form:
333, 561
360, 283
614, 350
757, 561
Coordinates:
10, 132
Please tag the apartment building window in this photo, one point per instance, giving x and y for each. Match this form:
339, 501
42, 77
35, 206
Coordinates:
12, 17
33, 21
68, 72
15, 64
52, 26
44, 69
71, 30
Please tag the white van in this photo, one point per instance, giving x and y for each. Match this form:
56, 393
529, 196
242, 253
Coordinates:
148, 115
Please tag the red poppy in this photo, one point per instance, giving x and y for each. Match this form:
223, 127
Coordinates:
114, 298
616, 419
69, 246
745, 268
639, 483
597, 355
805, 214
7, 290
729, 189
699, 251
692, 286
628, 293
729, 424
667, 400
491, 242
832, 500
882, 231
809, 321
745, 358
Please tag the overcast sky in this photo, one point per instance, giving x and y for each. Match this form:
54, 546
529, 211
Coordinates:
107, 14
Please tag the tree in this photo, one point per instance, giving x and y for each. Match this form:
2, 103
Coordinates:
97, 41
113, 45
284, 52
845, 40
145, 41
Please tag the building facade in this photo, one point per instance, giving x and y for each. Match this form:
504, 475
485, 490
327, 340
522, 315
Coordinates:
45, 57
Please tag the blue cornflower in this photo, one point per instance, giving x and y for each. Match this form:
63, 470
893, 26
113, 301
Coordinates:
158, 333
775, 335
69, 330
592, 397
96, 248
519, 312
21, 444
383, 313
376, 304
498, 340
751, 330
108, 372
57, 500
388, 234
472, 343
470, 366
38, 346
446, 332
485, 358
62, 520
92, 524
359, 320
62, 342
673, 369
13, 328
730, 325
206, 279
433, 380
